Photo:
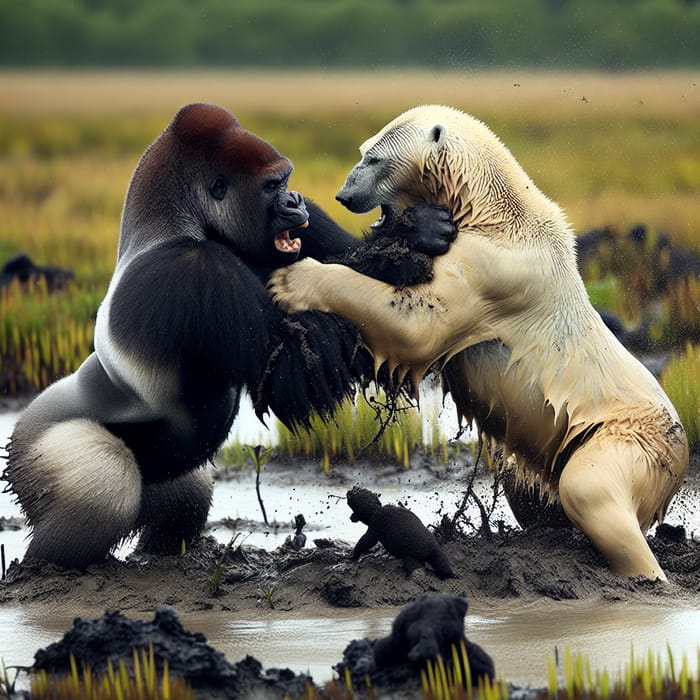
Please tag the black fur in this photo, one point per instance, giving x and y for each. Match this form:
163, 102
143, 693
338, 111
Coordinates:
399, 530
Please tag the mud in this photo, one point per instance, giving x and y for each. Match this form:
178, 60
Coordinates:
556, 564
206, 670
505, 563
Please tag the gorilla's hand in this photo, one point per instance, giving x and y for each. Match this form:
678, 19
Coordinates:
428, 228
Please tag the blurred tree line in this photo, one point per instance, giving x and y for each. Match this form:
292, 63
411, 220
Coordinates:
598, 34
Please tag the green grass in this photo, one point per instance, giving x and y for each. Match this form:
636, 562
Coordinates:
361, 429
680, 381
648, 677
143, 683
645, 678
43, 336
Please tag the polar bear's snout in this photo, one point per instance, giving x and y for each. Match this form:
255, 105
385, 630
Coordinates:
359, 192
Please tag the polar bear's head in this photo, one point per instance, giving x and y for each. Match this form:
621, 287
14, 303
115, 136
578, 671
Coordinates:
441, 155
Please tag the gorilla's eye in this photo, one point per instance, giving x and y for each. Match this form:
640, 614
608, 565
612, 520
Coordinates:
272, 185
218, 187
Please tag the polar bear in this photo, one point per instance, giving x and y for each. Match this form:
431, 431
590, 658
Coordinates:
508, 322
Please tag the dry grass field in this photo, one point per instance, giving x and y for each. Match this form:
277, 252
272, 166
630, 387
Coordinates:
611, 148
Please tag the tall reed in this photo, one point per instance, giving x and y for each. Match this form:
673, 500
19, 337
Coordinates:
43, 336
681, 381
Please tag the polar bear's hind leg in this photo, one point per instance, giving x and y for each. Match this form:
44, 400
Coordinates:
613, 491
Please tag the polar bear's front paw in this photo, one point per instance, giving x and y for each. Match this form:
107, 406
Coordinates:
293, 288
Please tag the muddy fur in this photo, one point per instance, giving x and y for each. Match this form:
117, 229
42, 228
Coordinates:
507, 321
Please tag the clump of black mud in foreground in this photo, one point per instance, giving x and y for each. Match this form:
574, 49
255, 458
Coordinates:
113, 637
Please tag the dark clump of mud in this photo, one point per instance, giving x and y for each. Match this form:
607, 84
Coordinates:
430, 627
113, 637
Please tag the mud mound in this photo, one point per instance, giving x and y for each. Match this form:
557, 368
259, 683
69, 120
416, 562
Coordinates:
114, 637
551, 563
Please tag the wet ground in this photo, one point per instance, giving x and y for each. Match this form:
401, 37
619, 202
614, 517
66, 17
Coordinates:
528, 592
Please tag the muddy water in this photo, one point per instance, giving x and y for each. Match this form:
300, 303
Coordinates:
519, 637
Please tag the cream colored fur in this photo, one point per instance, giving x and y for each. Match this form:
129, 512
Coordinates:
522, 350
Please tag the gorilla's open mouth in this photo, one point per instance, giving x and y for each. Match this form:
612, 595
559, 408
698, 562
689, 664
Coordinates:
385, 219
285, 244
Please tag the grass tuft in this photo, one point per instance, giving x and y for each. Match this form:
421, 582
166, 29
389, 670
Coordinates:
355, 433
144, 683
681, 381
643, 678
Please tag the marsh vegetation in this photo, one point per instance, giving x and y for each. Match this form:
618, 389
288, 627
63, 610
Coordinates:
614, 150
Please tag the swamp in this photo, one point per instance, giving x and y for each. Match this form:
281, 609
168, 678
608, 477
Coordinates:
619, 152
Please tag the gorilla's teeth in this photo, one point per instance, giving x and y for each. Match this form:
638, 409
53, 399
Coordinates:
285, 244
379, 222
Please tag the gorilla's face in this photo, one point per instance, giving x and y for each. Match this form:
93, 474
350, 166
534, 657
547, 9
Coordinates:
230, 184
253, 211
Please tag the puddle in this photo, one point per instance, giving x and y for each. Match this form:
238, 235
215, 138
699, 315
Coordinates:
519, 638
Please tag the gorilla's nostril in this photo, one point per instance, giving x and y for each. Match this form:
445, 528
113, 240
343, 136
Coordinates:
291, 204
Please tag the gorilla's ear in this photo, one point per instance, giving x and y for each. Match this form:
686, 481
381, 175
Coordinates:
438, 135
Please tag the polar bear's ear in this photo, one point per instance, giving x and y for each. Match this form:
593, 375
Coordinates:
438, 135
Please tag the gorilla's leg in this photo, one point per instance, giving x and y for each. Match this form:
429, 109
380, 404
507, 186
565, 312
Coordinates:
175, 510
612, 493
79, 487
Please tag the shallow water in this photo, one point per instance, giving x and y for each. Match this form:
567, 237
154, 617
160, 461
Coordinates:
237, 499
519, 637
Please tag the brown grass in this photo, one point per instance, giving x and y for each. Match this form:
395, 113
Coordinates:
610, 148
663, 94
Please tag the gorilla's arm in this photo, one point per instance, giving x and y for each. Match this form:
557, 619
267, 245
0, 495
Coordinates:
316, 361
234, 337
399, 253
323, 239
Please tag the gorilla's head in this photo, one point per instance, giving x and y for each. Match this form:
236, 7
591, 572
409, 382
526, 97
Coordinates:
207, 177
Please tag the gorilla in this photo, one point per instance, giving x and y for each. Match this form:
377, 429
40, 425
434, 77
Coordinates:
121, 446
